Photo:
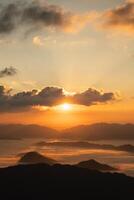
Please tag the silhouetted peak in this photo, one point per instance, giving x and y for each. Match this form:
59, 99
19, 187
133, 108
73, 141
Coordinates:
94, 165
34, 158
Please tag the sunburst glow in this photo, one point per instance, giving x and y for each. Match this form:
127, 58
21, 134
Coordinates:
66, 107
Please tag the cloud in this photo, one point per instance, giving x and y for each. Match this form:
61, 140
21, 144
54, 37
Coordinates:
92, 96
41, 41
38, 41
36, 16
87, 145
50, 96
120, 18
8, 71
44, 41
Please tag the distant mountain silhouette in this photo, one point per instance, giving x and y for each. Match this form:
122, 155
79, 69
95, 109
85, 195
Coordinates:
101, 131
94, 165
87, 145
127, 148
62, 182
19, 131
36, 158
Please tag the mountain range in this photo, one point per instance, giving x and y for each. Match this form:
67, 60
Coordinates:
100, 131
19, 131
37, 158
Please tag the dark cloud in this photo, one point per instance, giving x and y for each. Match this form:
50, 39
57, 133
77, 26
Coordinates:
32, 14
92, 96
46, 15
8, 16
49, 96
36, 16
121, 18
8, 71
52, 96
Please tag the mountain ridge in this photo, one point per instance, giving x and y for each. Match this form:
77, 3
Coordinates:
99, 131
62, 182
33, 157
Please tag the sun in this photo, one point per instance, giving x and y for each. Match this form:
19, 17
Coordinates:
66, 107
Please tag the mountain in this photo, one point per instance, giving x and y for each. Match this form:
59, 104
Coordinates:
62, 182
101, 131
35, 158
19, 131
94, 165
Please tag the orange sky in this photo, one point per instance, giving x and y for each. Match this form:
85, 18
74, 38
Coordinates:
77, 115
91, 46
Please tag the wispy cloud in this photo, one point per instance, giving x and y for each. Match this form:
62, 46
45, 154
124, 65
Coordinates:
8, 71
121, 18
38, 41
49, 40
35, 16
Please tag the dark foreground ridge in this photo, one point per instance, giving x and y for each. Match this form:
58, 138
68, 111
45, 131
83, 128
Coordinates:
42, 181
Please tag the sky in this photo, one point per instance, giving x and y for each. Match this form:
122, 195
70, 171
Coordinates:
78, 52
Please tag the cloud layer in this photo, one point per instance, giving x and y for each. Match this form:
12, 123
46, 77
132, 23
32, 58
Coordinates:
50, 96
8, 71
35, 16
